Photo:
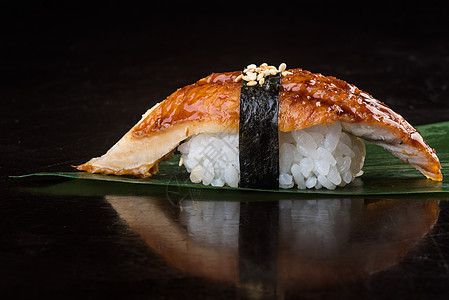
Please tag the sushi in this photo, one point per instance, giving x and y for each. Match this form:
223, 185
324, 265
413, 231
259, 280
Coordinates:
265, 127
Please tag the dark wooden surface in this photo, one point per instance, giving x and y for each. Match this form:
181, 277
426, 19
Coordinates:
74, 79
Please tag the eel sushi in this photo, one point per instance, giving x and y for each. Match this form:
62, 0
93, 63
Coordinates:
266, 127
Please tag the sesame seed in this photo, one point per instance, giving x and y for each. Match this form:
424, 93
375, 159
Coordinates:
252, 76
256, 74
181, 161
282, 67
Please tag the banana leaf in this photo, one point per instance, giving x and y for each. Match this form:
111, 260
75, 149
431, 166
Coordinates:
384, 174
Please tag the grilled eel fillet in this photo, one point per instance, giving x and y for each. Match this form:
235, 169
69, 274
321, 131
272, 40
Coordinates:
211, 105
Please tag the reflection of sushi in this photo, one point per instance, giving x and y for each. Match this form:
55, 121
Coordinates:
294, 126
300, 245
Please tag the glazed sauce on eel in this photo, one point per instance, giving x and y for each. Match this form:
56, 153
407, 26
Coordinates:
305, 99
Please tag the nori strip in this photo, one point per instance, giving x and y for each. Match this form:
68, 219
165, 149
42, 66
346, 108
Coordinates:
258, 134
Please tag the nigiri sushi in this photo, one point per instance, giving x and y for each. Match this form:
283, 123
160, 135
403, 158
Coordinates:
266, 126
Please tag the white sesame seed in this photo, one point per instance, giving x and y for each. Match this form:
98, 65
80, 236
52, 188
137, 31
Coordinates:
181, 161
282, 67
285, 73
252, 76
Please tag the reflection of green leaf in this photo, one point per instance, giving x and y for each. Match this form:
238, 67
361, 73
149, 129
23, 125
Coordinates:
384, 173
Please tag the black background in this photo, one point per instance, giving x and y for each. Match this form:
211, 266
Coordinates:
76, 76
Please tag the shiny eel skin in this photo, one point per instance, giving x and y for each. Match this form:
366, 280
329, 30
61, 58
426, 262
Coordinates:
211, 105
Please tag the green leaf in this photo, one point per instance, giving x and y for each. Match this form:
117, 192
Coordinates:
384, 174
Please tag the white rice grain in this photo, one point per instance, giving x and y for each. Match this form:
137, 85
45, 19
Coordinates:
314, 157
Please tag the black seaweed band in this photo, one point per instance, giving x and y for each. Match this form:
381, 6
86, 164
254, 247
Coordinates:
258, 134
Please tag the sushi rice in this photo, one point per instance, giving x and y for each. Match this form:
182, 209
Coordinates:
314, 157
